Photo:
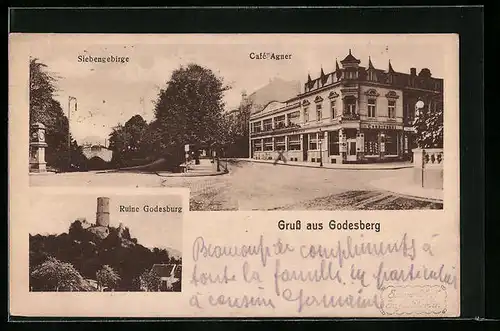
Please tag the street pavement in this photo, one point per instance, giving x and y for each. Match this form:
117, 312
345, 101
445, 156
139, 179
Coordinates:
261, 186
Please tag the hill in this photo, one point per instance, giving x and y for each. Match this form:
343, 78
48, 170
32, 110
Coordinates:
88, 249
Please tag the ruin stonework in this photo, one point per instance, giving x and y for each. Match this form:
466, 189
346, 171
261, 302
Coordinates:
102, 229
102, 215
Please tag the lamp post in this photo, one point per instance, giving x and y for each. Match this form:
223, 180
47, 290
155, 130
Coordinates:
320, 149
70, 98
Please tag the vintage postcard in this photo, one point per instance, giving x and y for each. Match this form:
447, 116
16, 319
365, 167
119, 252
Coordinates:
290, 175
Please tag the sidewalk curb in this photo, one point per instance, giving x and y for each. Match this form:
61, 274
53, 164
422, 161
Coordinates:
177, 175
329, 168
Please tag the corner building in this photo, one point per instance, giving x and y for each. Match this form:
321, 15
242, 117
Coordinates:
355, 114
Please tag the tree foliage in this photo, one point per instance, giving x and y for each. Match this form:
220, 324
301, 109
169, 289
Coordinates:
123, 254
54, 275
150, 281
429, 128
126, 141
189, 110
48, 111
237, 130
107, 277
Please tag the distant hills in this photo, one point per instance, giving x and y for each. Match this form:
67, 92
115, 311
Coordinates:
276, 90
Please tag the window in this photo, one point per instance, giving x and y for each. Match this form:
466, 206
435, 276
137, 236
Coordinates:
333, 141
391, 146
279, 143
350, 105
306, 114
391, 111
279, 122
268, 144
293, 118
410, 113
257, 126
372, 76
268, 124
257, 145
371, 107
318, 112
351, 74
313, 141
332, 108
294, 143
371, 143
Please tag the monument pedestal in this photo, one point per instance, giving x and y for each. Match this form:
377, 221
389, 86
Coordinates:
37, 149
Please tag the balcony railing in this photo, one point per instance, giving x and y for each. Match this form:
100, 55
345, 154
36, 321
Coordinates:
350, 117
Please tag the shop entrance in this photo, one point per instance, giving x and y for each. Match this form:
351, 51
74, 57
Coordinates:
351, 149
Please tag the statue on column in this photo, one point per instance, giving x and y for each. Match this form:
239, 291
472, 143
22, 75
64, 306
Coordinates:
37, 148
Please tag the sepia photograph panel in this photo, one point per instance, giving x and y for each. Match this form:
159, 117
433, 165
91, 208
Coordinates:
89, 243
333, 123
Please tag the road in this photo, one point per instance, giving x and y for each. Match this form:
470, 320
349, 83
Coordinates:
257, 186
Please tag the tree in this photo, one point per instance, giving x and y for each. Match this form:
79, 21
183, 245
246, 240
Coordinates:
54, 275
126, 140
42, 87
107, 277
237, 133
48, 111
190, 109
429, 128
150, 281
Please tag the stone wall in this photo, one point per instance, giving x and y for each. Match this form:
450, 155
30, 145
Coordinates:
428, 167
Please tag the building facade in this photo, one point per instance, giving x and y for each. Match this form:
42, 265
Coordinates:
355, 114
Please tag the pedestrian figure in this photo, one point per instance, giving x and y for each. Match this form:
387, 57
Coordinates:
280, 157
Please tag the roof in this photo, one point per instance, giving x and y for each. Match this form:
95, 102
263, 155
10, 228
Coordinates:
350, 59
163, 270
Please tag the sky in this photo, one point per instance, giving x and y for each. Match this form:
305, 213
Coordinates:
53, 214
111, 93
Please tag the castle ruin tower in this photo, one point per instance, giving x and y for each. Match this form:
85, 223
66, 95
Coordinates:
102, 215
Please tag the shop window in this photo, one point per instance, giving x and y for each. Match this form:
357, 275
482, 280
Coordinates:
268, 144
279, 143
257, 145
294, 143
313, 141
371, 143
333, 142
391, 144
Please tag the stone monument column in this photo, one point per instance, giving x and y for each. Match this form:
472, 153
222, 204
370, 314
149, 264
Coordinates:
37, 148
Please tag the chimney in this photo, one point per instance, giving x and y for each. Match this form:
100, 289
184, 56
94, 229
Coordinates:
413, 71
102, 215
